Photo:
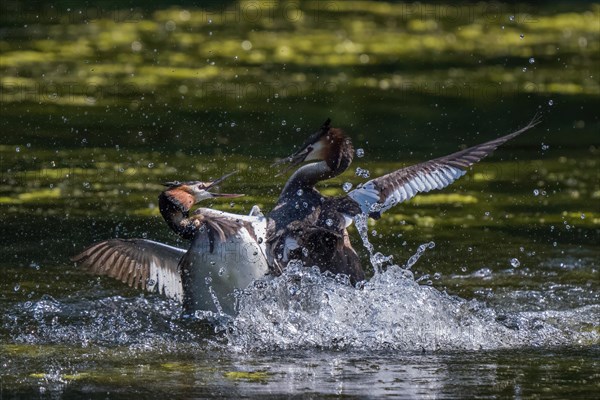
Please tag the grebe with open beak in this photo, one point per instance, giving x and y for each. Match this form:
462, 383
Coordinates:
227, 251
311, 227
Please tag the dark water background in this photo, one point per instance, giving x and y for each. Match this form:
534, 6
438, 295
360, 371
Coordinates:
101, 103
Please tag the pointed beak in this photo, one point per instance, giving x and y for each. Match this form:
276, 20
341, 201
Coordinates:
293, 160
310, 145
227, 194
217, 182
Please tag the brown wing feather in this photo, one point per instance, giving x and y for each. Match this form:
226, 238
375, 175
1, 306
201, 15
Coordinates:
223, 225
382, 193
461, 159
131, 261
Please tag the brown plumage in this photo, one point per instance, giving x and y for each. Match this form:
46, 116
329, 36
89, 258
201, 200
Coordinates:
135, 262
308, 226
157, 267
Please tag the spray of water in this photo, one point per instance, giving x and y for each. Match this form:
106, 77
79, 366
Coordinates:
304, 308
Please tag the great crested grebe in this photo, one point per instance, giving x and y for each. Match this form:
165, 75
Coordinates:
310, 227
227, 252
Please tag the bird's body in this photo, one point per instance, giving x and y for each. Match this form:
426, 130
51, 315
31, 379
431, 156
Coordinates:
308, 226
227, 252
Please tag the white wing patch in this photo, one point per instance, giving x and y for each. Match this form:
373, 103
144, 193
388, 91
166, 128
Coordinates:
165, 281
406, 186
365, 195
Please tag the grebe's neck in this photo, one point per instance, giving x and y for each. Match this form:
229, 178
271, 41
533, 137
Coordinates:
174, 206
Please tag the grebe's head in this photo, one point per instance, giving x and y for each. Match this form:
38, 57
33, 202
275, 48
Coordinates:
199, 190
329, 144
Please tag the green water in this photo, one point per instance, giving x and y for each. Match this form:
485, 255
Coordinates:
100, 104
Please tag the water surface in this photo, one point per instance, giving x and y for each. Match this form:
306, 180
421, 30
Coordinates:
100, 105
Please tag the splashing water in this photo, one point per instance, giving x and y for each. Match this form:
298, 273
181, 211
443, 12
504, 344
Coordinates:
377, 259
304, 308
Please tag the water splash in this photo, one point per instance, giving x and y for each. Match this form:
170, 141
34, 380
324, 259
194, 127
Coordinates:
140, 323
377, 259
304, 308
420, 250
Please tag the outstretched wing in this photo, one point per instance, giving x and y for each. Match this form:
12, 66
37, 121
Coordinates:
380, 194
142, 263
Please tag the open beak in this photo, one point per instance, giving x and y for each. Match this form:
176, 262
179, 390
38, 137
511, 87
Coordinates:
293, 160
218, 181
310, 145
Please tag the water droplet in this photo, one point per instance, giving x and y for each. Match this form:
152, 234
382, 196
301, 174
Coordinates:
305, 252
550, 102
545, 146
347, 186
208, 280
18, 149
300, 192
487, 213
360, 153
17, 287
283, 123
151, 165
329, 222
374, 232
515, 263
521, 36
221, 271
582, 216
536, 192
511, 18
86, 185
364, 173
437, 275
524, 69
531, 60
231, 205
